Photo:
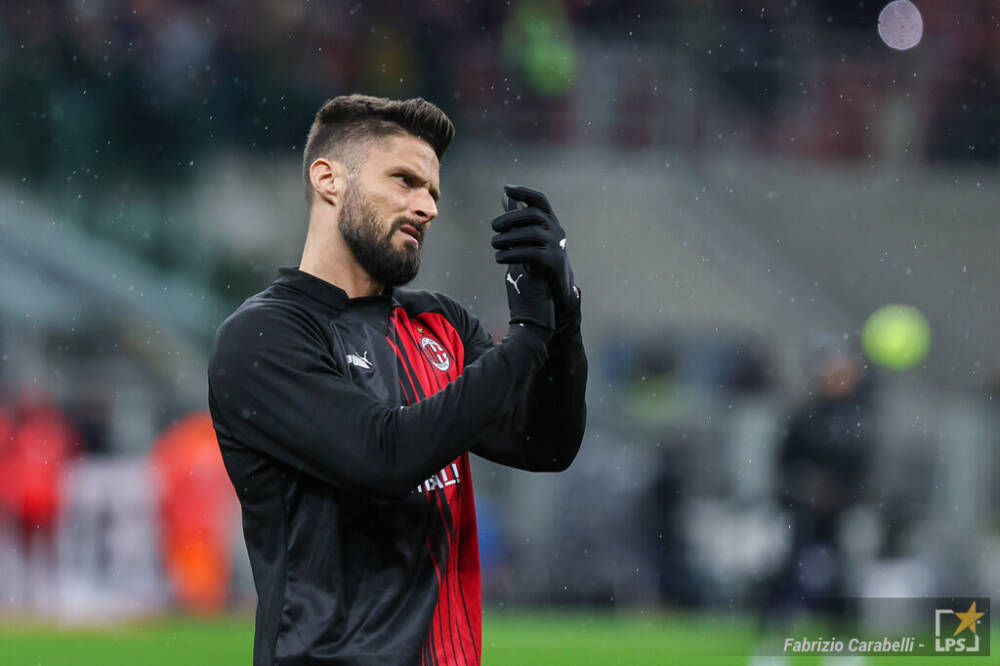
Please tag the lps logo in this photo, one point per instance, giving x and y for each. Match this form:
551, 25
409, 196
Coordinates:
946, 640
435, 353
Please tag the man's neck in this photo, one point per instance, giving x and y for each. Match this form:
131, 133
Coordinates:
327, 256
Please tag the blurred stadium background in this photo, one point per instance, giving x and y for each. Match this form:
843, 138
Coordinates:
744, 185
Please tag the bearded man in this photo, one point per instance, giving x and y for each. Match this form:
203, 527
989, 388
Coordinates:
346, 407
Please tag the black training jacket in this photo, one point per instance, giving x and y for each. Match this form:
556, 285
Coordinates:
345, 426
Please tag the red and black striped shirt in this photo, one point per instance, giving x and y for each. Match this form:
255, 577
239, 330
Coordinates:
345, 425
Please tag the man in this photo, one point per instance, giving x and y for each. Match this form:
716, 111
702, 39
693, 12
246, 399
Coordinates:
346, 407
823, 461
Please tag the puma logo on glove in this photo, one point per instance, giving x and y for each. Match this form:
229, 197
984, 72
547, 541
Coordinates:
514, 282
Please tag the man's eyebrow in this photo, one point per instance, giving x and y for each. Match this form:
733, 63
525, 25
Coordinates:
435, 192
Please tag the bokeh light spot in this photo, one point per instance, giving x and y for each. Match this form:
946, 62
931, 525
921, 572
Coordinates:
896, 336
900, 25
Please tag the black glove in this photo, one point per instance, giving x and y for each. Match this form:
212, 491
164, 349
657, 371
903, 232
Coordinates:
529, 233
529, 298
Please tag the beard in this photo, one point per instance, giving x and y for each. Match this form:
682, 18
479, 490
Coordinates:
374, 251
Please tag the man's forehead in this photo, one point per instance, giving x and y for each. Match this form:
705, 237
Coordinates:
414, 152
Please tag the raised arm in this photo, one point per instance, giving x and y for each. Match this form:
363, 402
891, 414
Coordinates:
544, 431
272, 390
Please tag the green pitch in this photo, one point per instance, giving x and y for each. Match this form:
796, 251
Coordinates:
549, 638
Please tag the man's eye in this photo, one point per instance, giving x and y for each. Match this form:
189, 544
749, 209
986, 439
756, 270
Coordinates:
403, 178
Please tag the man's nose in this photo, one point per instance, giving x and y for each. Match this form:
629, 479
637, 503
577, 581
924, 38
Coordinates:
425, 208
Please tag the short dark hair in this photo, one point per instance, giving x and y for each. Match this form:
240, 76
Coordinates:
343, 123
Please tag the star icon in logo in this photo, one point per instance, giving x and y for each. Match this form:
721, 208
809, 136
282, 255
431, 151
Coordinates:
968, 619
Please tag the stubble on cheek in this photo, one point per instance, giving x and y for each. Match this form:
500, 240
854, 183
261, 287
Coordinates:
374, 246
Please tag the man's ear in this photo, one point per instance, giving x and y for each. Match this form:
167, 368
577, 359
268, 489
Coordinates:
329, 181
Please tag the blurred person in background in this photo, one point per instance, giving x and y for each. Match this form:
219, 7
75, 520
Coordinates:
824, 463
43, 443
345, 406
197, 508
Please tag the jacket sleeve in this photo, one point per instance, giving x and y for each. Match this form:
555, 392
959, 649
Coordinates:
275, 388
544, 429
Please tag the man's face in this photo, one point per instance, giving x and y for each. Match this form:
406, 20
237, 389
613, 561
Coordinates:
389, 206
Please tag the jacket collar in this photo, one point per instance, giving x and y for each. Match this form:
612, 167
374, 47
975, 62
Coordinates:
320, 290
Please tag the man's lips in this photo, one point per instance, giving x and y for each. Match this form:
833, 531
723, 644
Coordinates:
412, 232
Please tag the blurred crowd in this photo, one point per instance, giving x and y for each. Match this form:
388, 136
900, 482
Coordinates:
85, 81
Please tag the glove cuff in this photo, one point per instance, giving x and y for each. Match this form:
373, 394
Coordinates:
568, 315
543, 333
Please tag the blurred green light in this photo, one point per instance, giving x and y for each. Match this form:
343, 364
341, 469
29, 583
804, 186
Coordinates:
896, 336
